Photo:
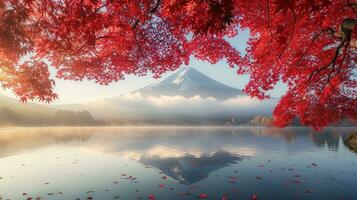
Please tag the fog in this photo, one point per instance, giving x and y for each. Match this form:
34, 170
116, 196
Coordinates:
137, 106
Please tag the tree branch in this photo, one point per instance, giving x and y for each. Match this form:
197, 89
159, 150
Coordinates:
152, 11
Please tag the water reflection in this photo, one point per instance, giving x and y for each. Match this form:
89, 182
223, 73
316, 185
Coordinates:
132, 142
295, 163
189, 169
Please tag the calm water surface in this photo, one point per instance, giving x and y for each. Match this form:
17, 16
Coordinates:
176, 163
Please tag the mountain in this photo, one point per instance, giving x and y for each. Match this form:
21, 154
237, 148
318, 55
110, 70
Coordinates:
187, 96
188, 82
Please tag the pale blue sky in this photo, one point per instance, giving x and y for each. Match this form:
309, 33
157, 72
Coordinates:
73, 92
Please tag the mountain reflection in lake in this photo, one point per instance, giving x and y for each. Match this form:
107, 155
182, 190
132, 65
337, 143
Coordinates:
176, 163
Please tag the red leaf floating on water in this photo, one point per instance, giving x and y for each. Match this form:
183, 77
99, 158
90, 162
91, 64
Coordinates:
161, 185
254, 197
151, 197
203, 196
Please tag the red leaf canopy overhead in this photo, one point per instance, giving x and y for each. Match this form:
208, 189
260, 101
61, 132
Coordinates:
310, 45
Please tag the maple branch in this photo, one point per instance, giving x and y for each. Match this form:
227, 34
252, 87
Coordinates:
329, 30
338, 71
331, 63
10, 71
314, 38
269, 22
96, 39
352, 6
291, 34
152, 11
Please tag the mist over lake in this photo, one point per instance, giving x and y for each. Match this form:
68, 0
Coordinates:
176, 163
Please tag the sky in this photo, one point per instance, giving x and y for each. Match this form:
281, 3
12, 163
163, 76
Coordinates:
71, 92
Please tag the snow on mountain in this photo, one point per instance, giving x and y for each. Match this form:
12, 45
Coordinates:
185, 95
188, 82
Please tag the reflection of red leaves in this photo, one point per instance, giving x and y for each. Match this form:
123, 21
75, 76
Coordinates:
258, 178
161, 185
164, 177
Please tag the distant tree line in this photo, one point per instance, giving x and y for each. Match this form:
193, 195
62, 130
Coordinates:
10, 117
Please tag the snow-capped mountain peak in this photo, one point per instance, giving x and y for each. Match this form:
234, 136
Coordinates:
189, 82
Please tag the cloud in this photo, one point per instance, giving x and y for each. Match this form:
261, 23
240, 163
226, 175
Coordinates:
137, 106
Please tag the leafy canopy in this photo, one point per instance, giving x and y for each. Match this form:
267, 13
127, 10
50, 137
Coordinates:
310, 45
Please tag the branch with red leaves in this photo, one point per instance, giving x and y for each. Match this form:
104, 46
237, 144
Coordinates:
308, 45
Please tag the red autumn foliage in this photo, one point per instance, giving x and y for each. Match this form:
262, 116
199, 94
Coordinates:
310, 45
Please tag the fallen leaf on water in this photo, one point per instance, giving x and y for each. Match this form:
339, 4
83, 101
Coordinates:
254, 197
224, 197
151, 197
203, 196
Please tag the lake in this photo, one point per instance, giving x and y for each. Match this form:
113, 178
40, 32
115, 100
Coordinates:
176, 163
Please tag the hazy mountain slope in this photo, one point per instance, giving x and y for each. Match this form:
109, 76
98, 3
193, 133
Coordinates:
14, 113
189, 82
15, 105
